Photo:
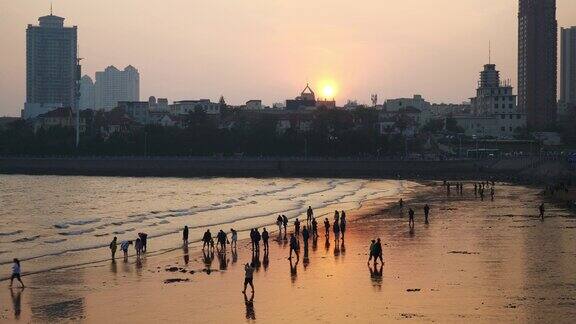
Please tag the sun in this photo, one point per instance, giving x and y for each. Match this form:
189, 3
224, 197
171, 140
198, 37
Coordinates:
328, 91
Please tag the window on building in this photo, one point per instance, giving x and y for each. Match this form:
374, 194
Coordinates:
511, 116
510, 106
502, 116
518, 116
510, 128
503, 128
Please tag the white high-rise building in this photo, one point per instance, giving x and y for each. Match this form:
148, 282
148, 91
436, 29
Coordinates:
113, 85
51, 66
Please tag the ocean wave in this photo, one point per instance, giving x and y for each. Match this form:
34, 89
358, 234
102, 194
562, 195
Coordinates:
26, 239
10, 233
78, 232
55, 241
76, 223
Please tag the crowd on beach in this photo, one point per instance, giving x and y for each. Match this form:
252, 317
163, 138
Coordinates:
305, 232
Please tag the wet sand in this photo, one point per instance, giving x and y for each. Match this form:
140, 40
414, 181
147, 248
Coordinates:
475, 261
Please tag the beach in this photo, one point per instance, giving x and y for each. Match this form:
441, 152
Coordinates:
490, 261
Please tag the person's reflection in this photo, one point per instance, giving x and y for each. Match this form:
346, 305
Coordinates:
306, 260
336, 249
250, 311
208, 257
16, 294
139, 265
256, 261
314, 243
114, 267
411, 231
293, 270
234, 255
222, 261
266, 261
376, 271
186, 254
342, 248
327, 244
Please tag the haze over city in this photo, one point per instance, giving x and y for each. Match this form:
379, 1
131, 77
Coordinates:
269, 49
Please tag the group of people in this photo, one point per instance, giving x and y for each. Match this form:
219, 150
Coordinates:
459, 187
480, 187
411, 214
140, 245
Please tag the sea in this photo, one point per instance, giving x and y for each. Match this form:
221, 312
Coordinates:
52, 222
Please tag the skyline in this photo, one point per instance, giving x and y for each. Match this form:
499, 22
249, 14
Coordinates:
382, 54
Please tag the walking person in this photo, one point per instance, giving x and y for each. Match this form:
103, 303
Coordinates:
378, 253
297, 227
16, 272
285, 223
475, 190
253, 239
305, 236
294, 246
542, 210
411, 217
248, 277
371, 251
426, 213
234, 238
492, 193
326, 227
257, 238
113, 247
206, 239
185, 235
279, 223
124, 245
309, 214
265, 237
138, 247
336, 216
342, 223
143, 241
336, 230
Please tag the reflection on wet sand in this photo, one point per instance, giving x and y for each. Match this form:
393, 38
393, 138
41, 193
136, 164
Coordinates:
16, 295
376, 274
250, 311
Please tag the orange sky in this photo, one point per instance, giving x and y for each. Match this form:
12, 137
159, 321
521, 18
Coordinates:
268, 49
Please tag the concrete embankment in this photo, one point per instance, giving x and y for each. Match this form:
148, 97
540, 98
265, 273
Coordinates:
167, 167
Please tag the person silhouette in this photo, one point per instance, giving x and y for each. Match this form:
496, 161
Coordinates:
542, 210
326, 227
185, 233
293, 246
426, 213
411, 217
305, 237
297, 227
309, 215
248, 277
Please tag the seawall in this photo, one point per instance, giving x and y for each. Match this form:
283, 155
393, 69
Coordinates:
197, 167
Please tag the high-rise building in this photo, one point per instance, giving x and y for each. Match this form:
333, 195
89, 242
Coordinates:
568, 67
87, 93
51, 65
113, 86
537, 61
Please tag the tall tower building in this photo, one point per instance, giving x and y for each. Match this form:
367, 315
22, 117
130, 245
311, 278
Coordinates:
537, 61
113, 85
568, 66
51, 65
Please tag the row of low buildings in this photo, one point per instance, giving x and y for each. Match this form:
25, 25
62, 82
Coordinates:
492, 113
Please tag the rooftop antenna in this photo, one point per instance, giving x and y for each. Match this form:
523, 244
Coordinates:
50, 8
489, 52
